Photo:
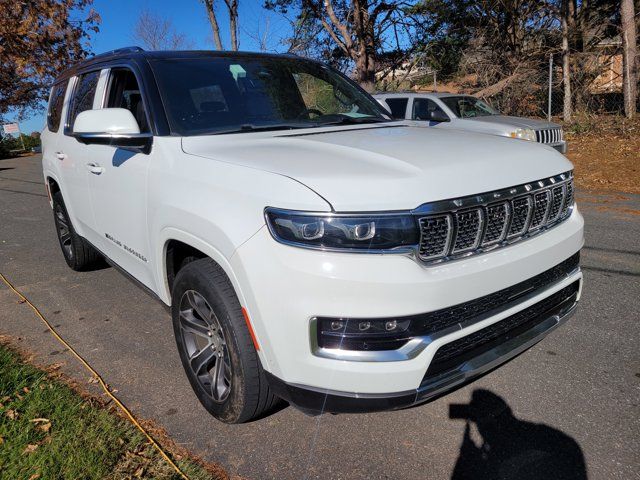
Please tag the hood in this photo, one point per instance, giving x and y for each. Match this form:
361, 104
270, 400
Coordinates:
515, 122
385, 168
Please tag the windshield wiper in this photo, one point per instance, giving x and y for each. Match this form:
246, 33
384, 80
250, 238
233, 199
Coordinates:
349, 120
249, 127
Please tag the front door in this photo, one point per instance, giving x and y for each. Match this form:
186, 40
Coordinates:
117, 184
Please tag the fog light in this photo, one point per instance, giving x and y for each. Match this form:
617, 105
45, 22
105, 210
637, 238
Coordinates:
363, 334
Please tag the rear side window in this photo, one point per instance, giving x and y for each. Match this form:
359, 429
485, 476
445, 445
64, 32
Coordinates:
83, 95
398, 106
55, 106
422, 108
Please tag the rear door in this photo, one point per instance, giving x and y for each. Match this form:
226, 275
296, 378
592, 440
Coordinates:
118, 184
73, 156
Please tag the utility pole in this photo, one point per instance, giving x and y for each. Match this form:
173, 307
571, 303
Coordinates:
550, 85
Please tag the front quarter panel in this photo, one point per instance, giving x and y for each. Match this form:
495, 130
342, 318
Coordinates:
212, 205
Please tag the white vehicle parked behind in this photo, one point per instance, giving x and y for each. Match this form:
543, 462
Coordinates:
465, 112
310, 248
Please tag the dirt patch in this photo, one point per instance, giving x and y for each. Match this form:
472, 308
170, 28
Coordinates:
607, 155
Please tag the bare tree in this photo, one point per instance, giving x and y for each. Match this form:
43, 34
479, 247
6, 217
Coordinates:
629, 57
157, 33
362, 32
232, 9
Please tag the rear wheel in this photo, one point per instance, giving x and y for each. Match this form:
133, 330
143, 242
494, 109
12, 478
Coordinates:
77, 252
215, 345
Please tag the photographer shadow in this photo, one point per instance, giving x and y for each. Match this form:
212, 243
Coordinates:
510, 448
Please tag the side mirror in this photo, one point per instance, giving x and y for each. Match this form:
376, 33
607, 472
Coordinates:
438, 116
116, 127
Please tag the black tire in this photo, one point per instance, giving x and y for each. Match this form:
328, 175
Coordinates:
245, 394
78, 253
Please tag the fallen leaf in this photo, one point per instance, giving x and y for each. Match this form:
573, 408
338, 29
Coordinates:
26, 390
1, 440
34, 476
139, 472
12, 414
45, 427
29, 449
93, 380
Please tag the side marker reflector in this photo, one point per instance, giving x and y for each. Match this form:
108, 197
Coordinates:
251, 332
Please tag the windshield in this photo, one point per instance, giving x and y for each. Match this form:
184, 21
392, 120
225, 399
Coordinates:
468, 107
210, 95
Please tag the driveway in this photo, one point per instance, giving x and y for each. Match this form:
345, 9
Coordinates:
571, 403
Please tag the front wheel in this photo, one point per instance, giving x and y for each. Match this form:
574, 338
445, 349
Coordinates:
215, 345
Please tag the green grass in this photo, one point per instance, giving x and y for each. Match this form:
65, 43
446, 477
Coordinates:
48, 431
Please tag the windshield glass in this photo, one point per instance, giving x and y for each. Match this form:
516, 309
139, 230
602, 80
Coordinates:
468, 107
209, 95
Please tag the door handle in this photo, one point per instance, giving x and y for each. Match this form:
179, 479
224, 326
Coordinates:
60, 155
95, 168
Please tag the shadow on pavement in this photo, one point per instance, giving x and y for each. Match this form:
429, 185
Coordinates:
510, 448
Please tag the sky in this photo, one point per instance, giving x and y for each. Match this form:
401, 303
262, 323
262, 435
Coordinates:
189, 17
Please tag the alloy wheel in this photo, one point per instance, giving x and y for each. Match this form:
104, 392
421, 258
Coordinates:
206, 346
64, 232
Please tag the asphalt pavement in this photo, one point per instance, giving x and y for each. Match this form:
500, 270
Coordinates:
569, 404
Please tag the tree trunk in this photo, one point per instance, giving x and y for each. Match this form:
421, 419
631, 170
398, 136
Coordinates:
214, 23
366, 71
629, 57
232, 6
567, 109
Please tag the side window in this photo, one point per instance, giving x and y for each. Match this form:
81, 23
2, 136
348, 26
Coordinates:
398, 106
422, 108
124, 92
55, 106
83, 95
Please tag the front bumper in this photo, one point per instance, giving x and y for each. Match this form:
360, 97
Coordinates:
314, 400
283, 288
561, 147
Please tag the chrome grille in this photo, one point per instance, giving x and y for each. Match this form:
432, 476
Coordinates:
549, 135
482, 222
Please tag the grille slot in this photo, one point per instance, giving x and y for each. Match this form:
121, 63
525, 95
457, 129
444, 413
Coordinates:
435, 236
568, 198
473, 224
521, 209
497, 220
557, 197
541, 202
468, 230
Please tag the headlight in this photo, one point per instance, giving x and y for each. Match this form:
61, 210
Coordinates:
342, 232
524, 134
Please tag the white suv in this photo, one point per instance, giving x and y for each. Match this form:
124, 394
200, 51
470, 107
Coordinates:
310, 248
